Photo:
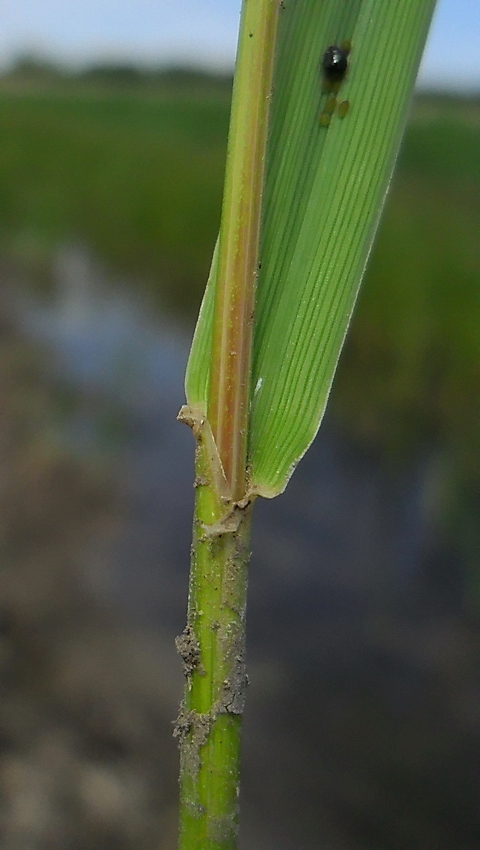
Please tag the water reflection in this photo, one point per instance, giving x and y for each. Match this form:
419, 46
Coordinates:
105, 335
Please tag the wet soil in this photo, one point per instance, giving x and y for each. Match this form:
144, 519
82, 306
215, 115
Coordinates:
86, 755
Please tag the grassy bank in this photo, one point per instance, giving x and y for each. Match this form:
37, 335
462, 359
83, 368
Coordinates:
136, 176
135, 172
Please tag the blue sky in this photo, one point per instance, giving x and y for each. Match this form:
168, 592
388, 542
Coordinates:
200, 31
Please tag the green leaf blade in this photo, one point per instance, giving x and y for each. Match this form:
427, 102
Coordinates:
324, 194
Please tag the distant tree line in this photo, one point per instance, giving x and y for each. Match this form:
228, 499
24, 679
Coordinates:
36, 68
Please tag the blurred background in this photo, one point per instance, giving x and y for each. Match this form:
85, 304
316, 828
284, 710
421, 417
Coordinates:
362, 727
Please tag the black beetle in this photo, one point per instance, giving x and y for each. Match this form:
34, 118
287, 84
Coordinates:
335, 63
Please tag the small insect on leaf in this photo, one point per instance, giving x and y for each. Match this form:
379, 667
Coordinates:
335, 63
334, 68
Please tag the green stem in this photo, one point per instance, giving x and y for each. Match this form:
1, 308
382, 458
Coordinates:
213, 643
229, 389
213, 651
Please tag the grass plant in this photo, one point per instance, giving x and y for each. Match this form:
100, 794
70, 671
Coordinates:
414, 342
263, 358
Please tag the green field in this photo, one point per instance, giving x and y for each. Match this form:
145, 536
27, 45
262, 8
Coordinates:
415, 340
136, 174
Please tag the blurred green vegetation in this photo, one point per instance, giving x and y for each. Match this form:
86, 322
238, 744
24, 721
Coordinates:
411, 366
133, 171
409, 376
131, 163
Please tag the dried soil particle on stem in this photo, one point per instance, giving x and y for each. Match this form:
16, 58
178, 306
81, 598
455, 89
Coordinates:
188, 648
